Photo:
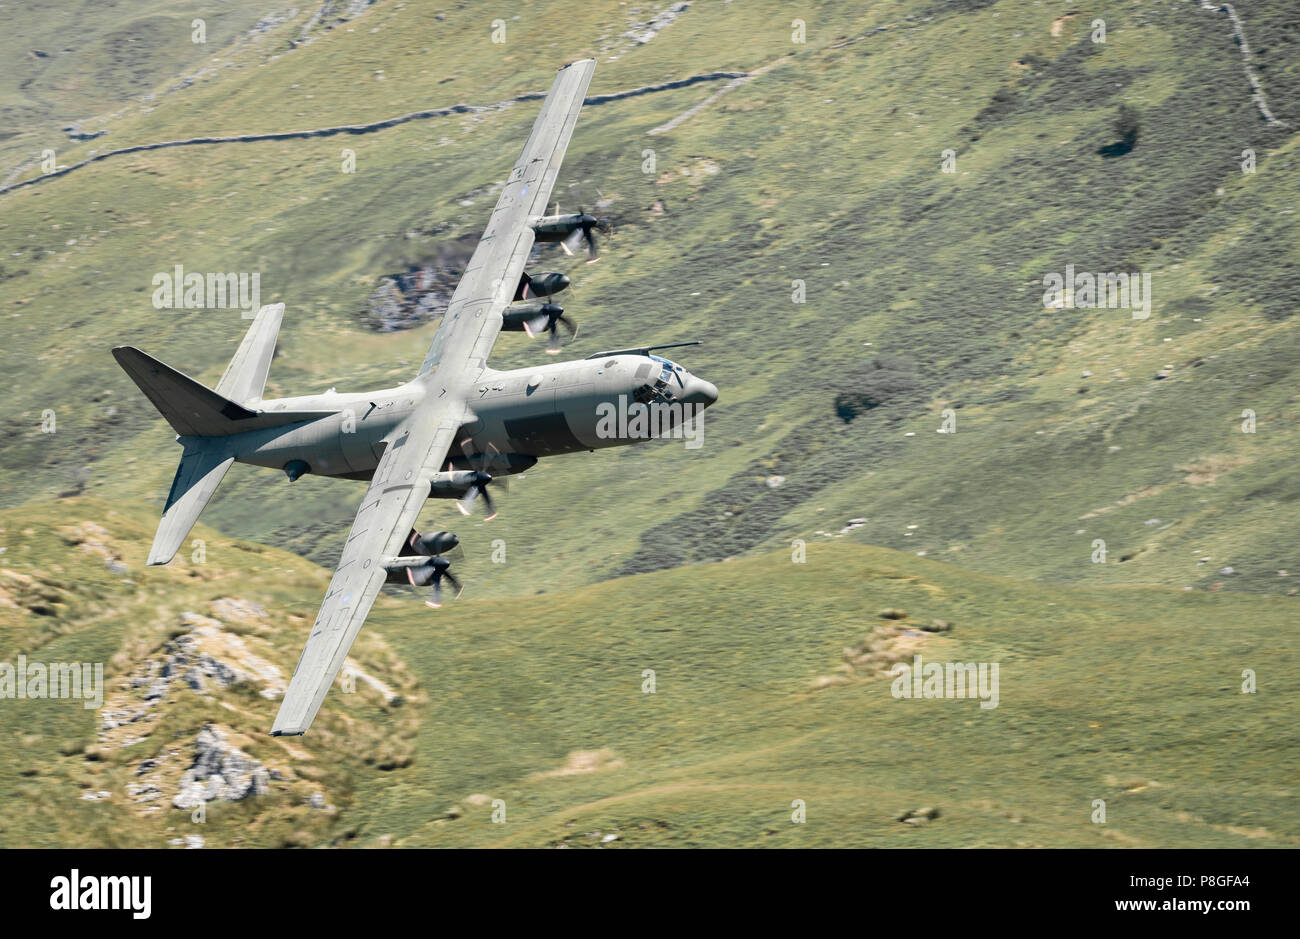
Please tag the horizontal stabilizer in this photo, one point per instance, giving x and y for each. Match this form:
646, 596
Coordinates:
194, 409
202, 468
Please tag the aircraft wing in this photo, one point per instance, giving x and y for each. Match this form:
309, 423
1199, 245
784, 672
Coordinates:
419, 445
473, 318
386, 516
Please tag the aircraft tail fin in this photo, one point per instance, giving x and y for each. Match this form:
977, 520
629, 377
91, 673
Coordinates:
202, 467
207, 419
245, 377
193, 409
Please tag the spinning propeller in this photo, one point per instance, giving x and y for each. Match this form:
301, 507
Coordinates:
549, 318
588, 225
434, 571
478, 479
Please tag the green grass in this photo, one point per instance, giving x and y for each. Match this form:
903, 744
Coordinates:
1131, 695
827, 171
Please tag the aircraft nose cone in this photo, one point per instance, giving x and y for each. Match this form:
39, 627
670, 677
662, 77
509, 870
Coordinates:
701, 392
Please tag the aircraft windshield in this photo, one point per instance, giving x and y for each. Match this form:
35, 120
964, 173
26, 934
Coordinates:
662, 390
669, 371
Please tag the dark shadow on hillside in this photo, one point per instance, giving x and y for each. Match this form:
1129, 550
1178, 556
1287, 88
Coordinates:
1127, 126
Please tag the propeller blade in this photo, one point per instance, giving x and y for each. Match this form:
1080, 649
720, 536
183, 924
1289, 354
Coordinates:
570, 327
477, 487
433, 573
455, 583
571, 242
424, 574
486, 459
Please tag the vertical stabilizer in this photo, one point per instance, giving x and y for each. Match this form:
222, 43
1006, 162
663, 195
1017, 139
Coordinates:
245, 377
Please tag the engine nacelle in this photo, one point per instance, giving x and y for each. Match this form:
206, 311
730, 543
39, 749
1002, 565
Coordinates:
541, 285
451, 485
535, 315
420, 556
432, 542
559, 227
554, 228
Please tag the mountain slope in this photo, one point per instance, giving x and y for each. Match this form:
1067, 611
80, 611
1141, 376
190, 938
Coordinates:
770, 685
825, 168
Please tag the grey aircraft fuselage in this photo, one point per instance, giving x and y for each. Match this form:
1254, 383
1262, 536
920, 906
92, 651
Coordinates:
520, 416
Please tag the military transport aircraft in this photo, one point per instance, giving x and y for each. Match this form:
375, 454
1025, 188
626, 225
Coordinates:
445, 434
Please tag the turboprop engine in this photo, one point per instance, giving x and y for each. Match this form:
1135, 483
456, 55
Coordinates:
541, 285
422, 564
536, 317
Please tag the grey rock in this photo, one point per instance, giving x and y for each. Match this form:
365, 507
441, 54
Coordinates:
220, 772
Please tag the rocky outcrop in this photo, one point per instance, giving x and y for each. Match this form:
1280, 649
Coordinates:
206, 658
409, 299
220, 771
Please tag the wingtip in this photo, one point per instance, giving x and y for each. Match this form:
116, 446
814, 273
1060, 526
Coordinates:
271, 309
160, 556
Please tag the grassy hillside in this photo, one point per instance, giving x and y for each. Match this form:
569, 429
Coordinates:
768, 688
76, 64
824, 168
923, 299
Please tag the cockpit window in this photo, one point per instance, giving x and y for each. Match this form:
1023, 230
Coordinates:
668, 372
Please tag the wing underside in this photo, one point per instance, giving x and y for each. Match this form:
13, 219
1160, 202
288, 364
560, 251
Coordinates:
419, 446
473, 318
386, 515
